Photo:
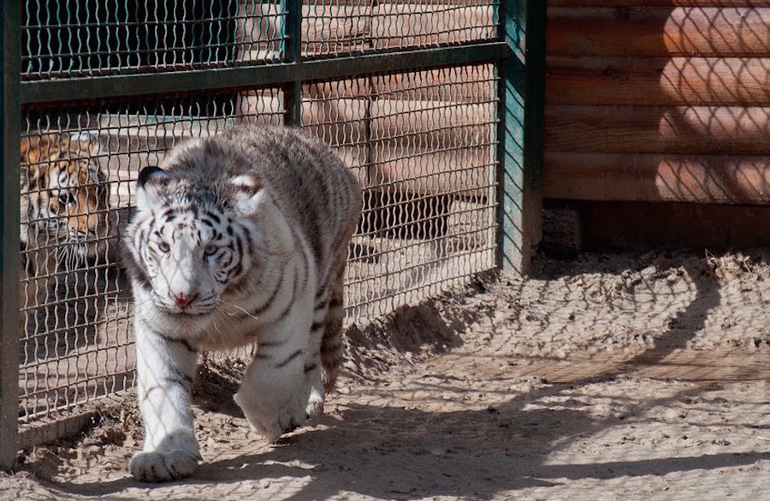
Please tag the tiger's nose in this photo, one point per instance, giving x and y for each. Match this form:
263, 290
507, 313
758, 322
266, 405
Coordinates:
182, 300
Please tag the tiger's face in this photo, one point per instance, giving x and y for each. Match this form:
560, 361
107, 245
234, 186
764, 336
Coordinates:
65, 196
188, 263
190, 249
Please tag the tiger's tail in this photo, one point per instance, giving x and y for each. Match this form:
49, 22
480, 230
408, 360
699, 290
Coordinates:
331, 344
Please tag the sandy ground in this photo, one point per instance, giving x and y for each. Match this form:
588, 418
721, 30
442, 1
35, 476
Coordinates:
610, 377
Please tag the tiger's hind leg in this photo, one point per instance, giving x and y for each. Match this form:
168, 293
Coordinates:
322, 366
274, 392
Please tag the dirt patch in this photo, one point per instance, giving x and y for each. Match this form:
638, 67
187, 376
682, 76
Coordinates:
613, 377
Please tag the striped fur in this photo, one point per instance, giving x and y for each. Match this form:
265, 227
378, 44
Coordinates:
238, 238
64, 208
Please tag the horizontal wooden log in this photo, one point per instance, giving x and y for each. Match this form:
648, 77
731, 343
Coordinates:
329, 29
336, 122
358, 88
677, 81
416, 146
396, 24
325, 29
466, 172
639, 129
658, 31
355, 157
396, 122
430, 124
456, 85
702, 179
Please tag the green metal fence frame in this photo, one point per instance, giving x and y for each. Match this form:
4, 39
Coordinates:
519, 58
10, 123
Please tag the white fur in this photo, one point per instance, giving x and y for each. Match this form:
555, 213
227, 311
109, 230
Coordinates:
273, 399
190, 296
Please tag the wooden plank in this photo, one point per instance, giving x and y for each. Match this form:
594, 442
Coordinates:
431, 124
462, 172
338, 89
258, 31
675, 226
457, 85
658, 31
325, 29
331, 29
396, 24
50, 431
630, 129
674, 81
336, 122
656, 178
400, 123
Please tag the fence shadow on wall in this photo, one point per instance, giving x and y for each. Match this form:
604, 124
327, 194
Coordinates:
658, 104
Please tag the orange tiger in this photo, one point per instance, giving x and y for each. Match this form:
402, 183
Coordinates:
64, 208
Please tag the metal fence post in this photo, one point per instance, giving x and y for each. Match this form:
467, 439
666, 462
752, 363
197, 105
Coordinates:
10, 122
292, 52
520, 137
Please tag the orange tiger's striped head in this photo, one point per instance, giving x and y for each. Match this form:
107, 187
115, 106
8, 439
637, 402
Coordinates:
65, 195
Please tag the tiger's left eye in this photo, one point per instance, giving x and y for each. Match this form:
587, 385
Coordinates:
67, 198
210, 250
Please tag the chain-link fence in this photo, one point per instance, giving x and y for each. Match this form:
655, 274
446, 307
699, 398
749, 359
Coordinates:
414, 97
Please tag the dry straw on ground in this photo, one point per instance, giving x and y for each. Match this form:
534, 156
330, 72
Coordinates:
612, 377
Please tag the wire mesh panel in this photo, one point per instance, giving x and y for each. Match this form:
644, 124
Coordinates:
431, 23
67, 236
422, 142
343, 27
332, 27
98, 37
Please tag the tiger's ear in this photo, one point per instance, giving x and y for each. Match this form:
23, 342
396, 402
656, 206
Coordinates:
246, 192
150, 186
36, 153
87, 142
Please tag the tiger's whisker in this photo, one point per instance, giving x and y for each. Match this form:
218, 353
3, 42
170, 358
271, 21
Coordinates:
232, 314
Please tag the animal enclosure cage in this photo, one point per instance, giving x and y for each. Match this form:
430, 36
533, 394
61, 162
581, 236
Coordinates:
424, 101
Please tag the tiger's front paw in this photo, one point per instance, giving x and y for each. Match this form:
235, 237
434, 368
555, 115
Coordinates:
172, 460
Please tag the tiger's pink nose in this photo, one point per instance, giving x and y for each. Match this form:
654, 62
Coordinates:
182, 300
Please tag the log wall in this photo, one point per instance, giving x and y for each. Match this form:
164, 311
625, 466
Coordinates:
658, 100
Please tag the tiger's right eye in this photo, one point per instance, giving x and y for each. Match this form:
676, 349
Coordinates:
210, 250
164, 247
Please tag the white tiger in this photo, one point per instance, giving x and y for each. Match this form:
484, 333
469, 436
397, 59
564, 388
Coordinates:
239, 238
